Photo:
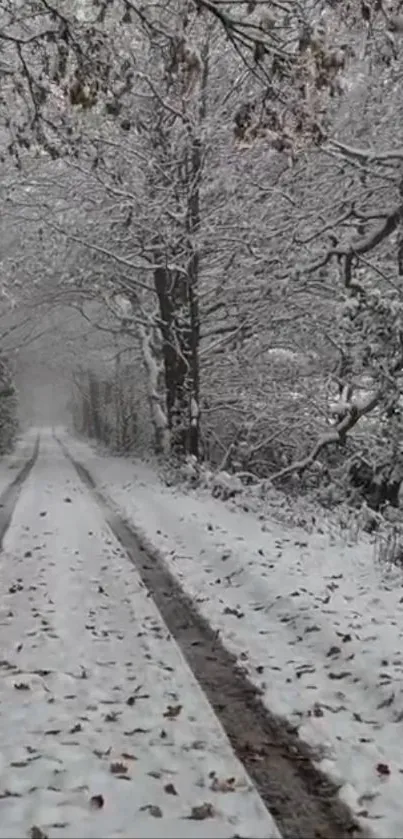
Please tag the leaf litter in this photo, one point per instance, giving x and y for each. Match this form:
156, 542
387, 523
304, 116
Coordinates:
75, 787
334, 617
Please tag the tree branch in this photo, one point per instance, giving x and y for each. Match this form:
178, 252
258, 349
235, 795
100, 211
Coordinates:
336, 435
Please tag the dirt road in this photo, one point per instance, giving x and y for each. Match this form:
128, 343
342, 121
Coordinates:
120, 712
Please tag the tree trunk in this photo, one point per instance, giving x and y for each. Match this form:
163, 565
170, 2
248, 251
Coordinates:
94, 429
152, 368
180, 334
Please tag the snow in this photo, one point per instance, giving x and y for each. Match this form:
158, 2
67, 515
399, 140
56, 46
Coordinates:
316, 622
12, 463
97, 704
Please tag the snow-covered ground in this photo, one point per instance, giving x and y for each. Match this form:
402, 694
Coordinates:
316, 622
12, 463
104, 731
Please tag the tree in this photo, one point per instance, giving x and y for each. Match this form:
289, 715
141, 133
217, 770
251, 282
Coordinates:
211, 192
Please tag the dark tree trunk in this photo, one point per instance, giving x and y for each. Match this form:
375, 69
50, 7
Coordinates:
94, 429
180, 334
177, 290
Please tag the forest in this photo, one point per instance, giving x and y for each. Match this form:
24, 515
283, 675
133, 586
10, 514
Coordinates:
202, 232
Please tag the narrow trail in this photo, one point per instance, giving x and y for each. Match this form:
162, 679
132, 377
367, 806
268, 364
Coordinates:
121, 714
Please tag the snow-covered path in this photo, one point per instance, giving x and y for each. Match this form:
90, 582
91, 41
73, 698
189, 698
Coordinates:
104, 731
314, 621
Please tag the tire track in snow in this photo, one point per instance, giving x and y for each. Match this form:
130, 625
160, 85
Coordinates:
303, 802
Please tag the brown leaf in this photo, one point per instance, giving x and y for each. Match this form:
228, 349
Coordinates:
112, 716
132, 731
153, 809
21, 686
170, 789
383, 769
128, 756
236, 612
172, 711
118, 768
97, 802
37, 833
202, 811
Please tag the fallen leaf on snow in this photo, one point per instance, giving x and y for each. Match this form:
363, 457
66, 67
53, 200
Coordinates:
342, 675
170, 789
137, 695
97, 801
21, 686
37, 833
317, 710
202, 811
118, 768
153, 809
383, 769
172, 711
132, 731
387, 702
112, 716
236, 612
333, 651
